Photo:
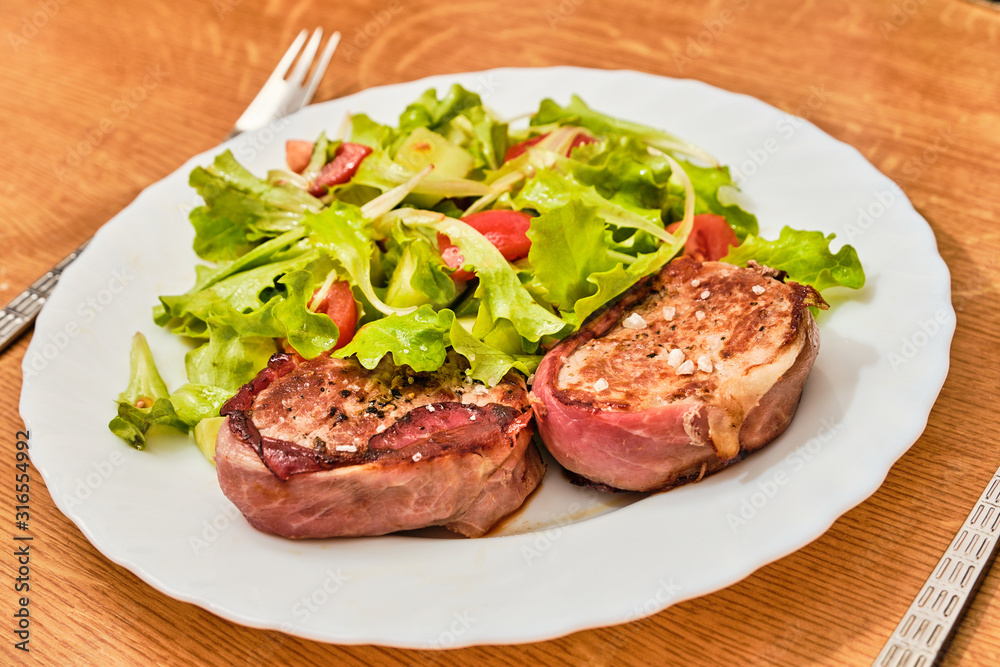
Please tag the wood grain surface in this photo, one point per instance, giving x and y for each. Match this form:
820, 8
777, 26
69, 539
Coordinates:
98, 100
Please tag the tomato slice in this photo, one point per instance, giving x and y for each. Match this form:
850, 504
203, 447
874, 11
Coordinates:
709, 239
339, 304
341, 168
517, 149
506, 230
580, 140
453, 257
297, 154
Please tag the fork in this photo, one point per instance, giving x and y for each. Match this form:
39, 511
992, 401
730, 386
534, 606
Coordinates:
278, 97
925, 631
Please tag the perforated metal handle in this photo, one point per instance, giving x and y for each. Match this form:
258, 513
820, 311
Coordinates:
922, 636
17, 316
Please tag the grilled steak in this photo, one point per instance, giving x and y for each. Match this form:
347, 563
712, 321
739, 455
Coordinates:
690, 371
325, 448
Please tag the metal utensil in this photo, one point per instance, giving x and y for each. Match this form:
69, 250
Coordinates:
922, 636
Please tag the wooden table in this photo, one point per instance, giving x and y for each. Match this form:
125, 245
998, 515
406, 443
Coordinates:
99, 100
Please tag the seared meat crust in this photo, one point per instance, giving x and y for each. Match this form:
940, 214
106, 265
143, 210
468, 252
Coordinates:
688, 372
324, 447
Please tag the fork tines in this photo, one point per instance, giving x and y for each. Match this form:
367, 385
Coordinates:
280, 96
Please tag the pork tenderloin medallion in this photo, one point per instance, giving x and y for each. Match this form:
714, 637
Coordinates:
690, 371
326, 448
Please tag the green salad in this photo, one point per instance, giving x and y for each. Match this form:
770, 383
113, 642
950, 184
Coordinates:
449, 230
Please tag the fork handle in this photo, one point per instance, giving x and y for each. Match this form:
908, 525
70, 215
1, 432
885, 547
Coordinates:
922, 636
18, 315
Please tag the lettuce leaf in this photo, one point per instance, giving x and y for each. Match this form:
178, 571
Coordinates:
417, 339
707, 181
578, 113
323, 151
286, 316
278, 249
193, 402
618, 279
482, 135
371, 133
145, 402
380, 171
131, 423
805, 256
246, 291
226, 360
549, 190
420, 340
418, 276
487, 363
241, 209
568, 245
624, 172
430, 112
501, 294
347, 237
461, 118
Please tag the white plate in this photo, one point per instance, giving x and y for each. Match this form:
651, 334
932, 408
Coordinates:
573, 559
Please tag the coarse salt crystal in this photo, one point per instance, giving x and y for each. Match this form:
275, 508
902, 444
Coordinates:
346, 448
416, 457
601, 385
472, 418
406, 350
706, 294
699, 315
430, 408
695, 282
675, 358
634, 321
687, 368
758, 289
381, 427
669, 312
704, 364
